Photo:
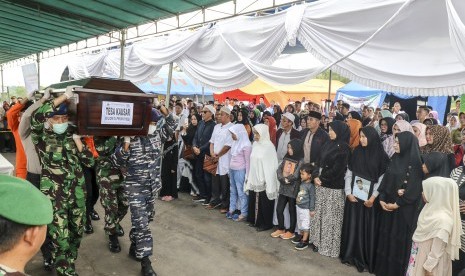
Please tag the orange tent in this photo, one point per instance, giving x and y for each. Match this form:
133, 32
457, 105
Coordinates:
315, 90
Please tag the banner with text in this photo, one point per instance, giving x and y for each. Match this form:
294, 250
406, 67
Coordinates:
356, 103
117, 113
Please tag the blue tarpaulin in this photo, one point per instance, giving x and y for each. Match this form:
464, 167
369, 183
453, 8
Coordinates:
355, 90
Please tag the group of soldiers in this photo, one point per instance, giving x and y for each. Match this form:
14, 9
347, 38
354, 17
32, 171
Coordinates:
127, 172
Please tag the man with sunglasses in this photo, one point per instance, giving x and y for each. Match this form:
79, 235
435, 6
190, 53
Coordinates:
201, 146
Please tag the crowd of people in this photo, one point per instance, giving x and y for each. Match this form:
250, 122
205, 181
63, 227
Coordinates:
382, 193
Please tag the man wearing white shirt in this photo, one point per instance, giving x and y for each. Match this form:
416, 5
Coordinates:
396, 110
220, 145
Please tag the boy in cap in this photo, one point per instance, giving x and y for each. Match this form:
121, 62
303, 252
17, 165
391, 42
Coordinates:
23, 228
140, 157
62, 154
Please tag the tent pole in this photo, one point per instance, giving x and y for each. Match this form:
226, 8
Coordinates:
1, 74
38, 71
122, 44
168, 90
329, 86
203, 94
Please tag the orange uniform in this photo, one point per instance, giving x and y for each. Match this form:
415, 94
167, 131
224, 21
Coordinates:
12, 116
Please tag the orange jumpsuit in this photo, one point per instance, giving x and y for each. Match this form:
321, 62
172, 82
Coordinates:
12, 116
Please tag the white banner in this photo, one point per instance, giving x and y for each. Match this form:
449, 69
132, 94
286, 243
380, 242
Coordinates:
31, 79
357, 102
117, 113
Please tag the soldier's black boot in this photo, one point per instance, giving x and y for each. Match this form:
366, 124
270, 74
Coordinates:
113, 244
88, 229
147, 269
132, 252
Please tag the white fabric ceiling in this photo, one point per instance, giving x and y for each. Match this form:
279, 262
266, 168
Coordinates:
414, 47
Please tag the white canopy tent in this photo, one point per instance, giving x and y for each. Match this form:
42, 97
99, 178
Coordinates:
414, 47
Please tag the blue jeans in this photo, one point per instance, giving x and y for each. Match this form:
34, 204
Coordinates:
237, 179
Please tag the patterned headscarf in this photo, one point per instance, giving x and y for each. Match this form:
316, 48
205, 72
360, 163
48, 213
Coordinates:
354, 126
442, 141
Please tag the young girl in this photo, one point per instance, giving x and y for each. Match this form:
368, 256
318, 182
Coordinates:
289, 178
239, 171
437, 237
305, 205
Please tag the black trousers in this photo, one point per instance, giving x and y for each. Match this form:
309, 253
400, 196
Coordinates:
169, 171
220, 190
282, 201
46, 247
91, 188
458, 265
202, 178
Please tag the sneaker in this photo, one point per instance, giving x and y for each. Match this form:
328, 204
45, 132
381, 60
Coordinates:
229, 215
94, 215
205, 202
287, 236
235, 217
301, 245
297, 238
277, 233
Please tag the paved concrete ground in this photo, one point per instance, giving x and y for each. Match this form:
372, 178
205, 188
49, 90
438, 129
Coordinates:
189, 240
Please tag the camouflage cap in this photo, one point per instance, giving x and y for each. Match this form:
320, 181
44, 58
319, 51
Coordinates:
23, 203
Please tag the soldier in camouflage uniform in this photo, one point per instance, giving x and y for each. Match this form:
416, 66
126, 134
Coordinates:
112, 197
141, 158
62, 153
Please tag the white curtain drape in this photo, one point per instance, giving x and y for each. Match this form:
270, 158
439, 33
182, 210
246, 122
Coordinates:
414, 47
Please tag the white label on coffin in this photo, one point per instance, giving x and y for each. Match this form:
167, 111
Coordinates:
117, 113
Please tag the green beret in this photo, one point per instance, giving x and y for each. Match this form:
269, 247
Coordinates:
23, 203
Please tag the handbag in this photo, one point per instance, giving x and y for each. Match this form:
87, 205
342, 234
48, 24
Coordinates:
188, 153
209, 165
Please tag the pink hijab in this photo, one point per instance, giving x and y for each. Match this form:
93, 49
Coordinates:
404, 126
422, 136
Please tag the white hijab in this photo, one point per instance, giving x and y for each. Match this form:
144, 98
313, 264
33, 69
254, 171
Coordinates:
242, 139
263, 165
440, 218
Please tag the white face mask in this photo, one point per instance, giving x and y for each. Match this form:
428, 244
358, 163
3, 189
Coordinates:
152, 129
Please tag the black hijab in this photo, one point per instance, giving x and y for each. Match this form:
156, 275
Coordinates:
341, 142
401, 165
369, 162
191, 129
390, 123
437, 164
297, 149
355, 115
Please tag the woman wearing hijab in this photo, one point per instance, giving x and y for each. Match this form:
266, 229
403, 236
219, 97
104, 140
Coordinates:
262, 183
238, 172
402, 117
329, 206
243, 118
419, 130
434, 114
430, 122
459, 148
453, 123
254, 116
271, 123
438, 140
368, 162
187, 135
354, 115
401, 126
399, 197
437, 237
387, 138
354, 126
458, 175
